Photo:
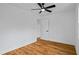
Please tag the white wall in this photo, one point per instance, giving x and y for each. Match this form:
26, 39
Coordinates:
77, 47
62, 26
17, 28
77, 41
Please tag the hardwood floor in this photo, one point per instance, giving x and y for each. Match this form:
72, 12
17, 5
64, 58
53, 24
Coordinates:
43, 47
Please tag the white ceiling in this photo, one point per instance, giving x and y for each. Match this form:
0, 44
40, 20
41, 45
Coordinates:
59, 6
27, 8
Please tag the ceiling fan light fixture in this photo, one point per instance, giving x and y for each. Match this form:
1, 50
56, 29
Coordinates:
42, 9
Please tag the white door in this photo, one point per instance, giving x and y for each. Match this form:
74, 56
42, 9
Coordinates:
43, 28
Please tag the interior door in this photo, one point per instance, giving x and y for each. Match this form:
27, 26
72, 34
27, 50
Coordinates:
43, 28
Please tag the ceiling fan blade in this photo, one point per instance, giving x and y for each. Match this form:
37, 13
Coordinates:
36, 9
50, 6
39, 5
40, 12
48, 10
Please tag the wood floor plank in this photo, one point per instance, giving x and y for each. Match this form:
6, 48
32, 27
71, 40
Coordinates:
50, 49
65, 48
44, 47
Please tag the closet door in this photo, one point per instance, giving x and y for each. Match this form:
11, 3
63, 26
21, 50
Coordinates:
43, 28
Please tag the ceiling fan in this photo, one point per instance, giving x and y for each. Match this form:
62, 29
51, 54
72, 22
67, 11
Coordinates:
43, 8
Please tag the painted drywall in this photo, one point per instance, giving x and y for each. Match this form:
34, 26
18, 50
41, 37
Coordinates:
77, 27
17, 28
62, 26
77, 47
